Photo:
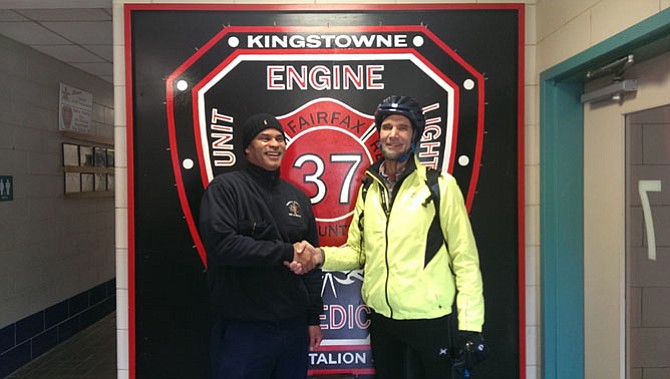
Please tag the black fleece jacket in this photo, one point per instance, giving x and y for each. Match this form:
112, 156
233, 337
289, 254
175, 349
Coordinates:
249, 220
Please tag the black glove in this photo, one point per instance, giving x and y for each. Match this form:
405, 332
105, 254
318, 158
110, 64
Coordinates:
471, 350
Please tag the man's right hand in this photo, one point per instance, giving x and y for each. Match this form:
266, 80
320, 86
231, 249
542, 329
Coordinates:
305, 258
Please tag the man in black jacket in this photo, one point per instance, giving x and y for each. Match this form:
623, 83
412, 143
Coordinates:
266, 317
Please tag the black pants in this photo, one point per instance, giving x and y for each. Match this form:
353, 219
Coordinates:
411, 349
260, 350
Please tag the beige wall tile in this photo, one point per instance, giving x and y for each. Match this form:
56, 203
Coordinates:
532, 351
532, 275
119, 65
571, 39
532, 184
119, 105
122, 306
532, 305
532, 153
121, 228
531, 96
120, 181
121, 262
576, 7
613, 16
121, 355
550, 17
117, 28
531, 24
533, 372
532, 228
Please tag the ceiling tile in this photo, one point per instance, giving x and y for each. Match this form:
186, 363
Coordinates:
106, 52
95, 68
77, 32
92, 33
69, 53
30, 33
94, 14
54, 4
10, 15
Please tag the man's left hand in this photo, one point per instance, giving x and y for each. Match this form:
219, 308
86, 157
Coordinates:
315, 337
472, 350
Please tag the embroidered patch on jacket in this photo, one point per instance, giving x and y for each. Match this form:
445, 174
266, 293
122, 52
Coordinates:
294, 208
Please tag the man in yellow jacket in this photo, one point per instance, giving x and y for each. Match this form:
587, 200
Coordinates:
416, 263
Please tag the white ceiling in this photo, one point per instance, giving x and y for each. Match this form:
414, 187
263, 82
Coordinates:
77, 32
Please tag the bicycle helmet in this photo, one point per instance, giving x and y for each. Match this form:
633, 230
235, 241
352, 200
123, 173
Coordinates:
405, 106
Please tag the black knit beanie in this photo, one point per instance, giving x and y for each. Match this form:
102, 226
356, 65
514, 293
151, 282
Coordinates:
256, 124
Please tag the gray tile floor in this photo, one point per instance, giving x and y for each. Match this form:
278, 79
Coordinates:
90, 354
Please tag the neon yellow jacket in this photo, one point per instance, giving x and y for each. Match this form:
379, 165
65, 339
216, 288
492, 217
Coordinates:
398, 282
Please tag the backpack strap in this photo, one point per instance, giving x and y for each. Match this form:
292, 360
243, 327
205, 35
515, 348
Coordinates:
435, 238
366, 184
364, 192
433, 185
434, 241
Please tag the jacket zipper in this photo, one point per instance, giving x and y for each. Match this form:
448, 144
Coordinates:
384, 198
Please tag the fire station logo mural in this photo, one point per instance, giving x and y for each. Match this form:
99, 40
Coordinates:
322, 79
297, 65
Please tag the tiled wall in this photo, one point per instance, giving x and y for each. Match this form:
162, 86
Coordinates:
51, 247
34, 335
532, 195
53, 250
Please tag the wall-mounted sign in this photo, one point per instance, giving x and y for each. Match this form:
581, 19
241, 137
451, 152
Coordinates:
74, 109
198, 71
6, 188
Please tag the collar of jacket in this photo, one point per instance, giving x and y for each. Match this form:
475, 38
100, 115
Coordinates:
411, 167
262, 176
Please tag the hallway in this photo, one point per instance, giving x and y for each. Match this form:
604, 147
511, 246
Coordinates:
90, 354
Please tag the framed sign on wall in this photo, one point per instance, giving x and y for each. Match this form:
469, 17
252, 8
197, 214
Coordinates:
196, 72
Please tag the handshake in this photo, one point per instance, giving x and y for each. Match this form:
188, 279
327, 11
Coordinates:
305, 258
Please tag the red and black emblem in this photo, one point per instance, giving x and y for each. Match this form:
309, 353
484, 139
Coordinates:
322, 84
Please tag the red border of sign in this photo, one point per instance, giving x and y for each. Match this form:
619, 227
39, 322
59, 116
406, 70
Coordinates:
128, 8
130, 168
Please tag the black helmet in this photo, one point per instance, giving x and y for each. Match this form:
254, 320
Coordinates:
404, 106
